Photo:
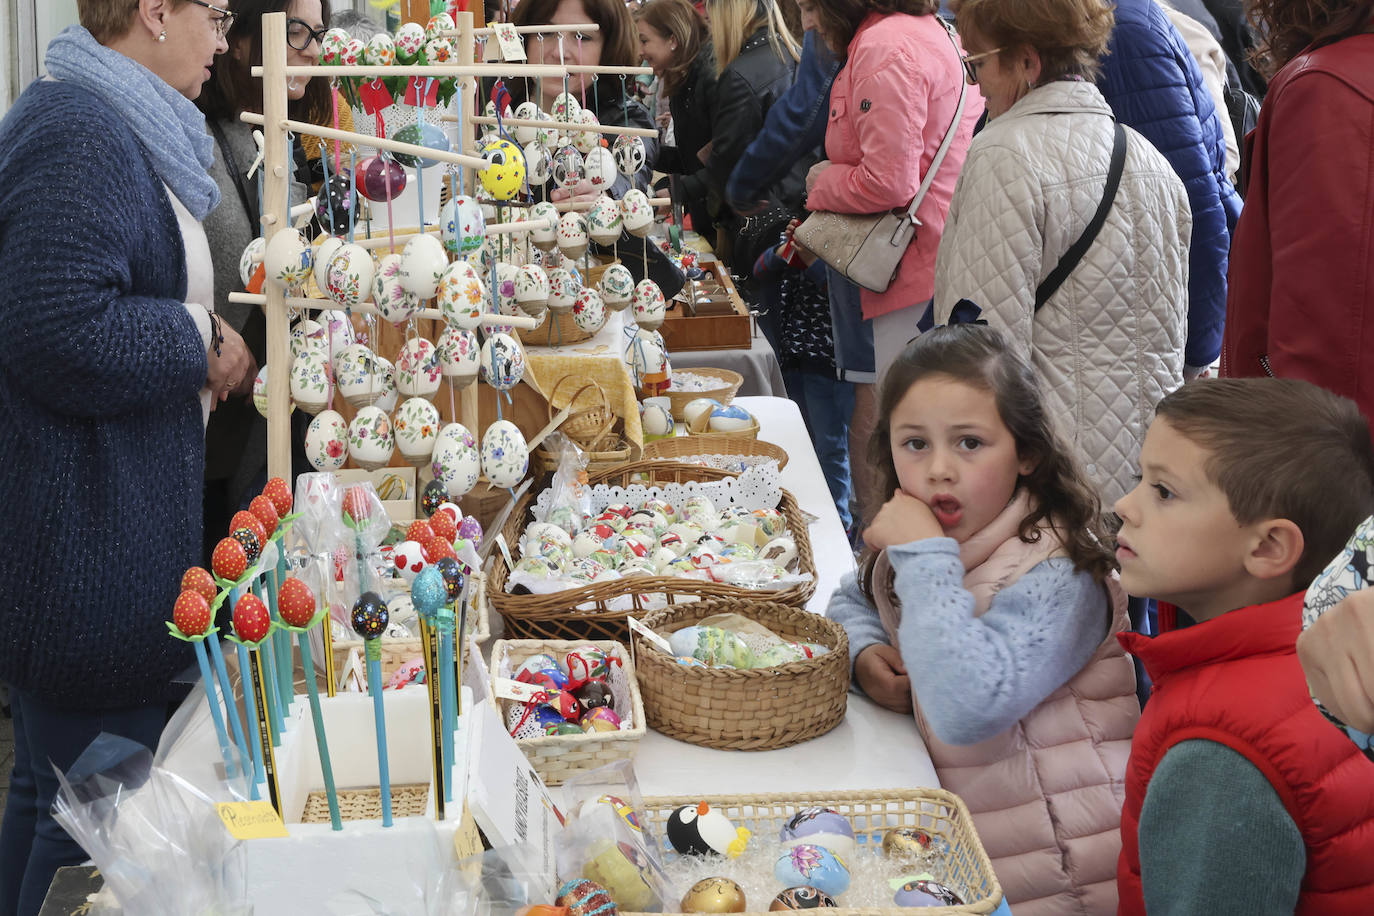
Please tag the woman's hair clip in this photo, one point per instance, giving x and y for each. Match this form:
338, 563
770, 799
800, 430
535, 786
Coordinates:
966, 311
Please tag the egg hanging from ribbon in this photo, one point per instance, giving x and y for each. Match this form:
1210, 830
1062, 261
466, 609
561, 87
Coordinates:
457, 463
505, 455
604, 222
394, 302
503, 362
462, 298
568, 168
504, 175
648, 305
460, 356
617, 286
629, 154
416, 428
589, 312
538, 164
563, 290
636, 212
381, 178
599, 168
572, 234
426, 135
544, 236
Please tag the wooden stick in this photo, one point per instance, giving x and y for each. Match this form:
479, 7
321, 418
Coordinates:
367, 308
530, 30
467, 54
329, 133
564, 206
274, 200
434, 71
570, 125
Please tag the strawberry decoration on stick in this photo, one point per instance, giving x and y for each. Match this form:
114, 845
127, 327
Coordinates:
279, 493
192, 621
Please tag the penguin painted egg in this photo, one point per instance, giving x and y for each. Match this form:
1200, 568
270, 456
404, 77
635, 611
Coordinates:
287, 259
700, 830
416, 428
538, 164
629, 154
616, 287
504, 175
648, 305
456, 462
599, 166
251, 258
545, 236
348, 279
526, 111
532, 289
422, 264
568, 167
604, 222
584, 140
589, 313
462, 298
820, 827
636, 212
505, 454
326, 441
814, 866
801, 898
312, 381
714, 895
394, 302
418, 371
503, 362
729, 418
370, 440
460, 356
572, 234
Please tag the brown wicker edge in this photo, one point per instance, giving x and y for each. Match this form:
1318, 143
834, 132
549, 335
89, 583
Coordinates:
729, 387
684, 446
558, 330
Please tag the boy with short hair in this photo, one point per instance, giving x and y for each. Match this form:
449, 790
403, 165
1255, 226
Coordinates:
1240, 797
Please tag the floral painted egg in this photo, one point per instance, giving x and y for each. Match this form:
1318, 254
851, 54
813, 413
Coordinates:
308, 334
348, 280
422, 134
438, 24
457, 463
339, 328
462, 298
617, 286
526, 111
311, 381
386, 378
370, 441
417, 369
538, 164
565, 107
568, 168
260, 392
504, 175
355, 375
506, 303
331, 45
820, 827
589, 312
599, 168
326, 441
422, 263
645, 355
460, 356
416, 427
410, 39
394, 302
287, 259
563, 290
505, 456
351, 54
585, 140
814, 866
572, 234
462, 225
545, 237
380, 51
251, 258
503, 362
532, 289
381, 178
638, 215
438, 50
629, 154
604, 222
648, 304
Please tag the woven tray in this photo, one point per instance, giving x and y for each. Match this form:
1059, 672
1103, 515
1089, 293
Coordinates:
942, 814
584, 613
725, 393
673, 447
366, 804
558, 330
604, 455
559, 757
745, 710
396, 652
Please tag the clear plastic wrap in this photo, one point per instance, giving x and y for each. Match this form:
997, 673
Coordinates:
568, 488
499, 882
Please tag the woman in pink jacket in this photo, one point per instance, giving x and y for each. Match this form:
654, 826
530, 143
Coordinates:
890, 107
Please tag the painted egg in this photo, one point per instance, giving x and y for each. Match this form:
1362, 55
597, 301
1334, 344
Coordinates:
505, 456
331, 44
700, 830
503, 362
380, 50
912, 842
370, 615
504, 175
598, 165
820, 827
381, 178
617, 286
410, 38
417, 369
324, 251
470, 224
386, 375
729, 418
260, 392
456, 462
416, 428
645, 355
348, 278
589, 313
334, 202
538, 164
460, 356
426, 135
801, 898
584, 140
697, 414
780, 551
545, 237
714, 895
656, 420
339, 329
636, 212
532, 289
648, 304
287, 259
923, 891
506, 275
422, 264
601, 719
355, 375
352, 52
526, 111
438, 50
565, 107
408, 558
563, 290
438, 24
629, 154
462, 298
312, 381
394, 302
370, 441
572, 234
814, 866
251, 258
604, 222
568, 168
326, 441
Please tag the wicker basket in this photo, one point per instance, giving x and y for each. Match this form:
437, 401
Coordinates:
725, 393
558, 330
745, 710
749, 434
940, 813
559, 757
676, 447
602, 455
585, 425
585, 613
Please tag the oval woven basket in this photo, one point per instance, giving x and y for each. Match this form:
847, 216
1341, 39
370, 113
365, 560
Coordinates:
742, 435
676, 447
725, 393
558, 330
757, 709
585, 425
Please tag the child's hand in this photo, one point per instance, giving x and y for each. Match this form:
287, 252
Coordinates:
903, 519
881, 675
1337, 655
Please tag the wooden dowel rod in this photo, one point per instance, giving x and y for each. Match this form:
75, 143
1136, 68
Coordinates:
413, 149
530, 30
435, 71
367, 308
571, 126
275, 198
565, 205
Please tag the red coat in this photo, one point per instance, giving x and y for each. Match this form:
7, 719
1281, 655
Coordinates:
1301, 288
1236, 680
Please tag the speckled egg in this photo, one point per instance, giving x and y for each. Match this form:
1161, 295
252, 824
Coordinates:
589, 312
505, 455
394, 302
456, 462
814, 866
416, 428
563, 290
638, 215
326, 441
648, 305
370, 440
604, 222
462, 297
460, 356
417, 369
422, 263
545, 237
312, 381
629, 154
503, 362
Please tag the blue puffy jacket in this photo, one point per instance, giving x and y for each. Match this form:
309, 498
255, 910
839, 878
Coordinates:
1153, 85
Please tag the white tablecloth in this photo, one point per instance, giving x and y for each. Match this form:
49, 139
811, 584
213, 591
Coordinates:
871, 749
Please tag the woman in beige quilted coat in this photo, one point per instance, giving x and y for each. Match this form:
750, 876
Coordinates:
1108, 342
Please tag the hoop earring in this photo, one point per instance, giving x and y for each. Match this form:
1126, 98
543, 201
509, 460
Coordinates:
162, 36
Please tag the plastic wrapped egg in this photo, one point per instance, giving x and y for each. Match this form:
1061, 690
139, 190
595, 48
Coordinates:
589, 312
460, 356
616, 287
393, 301
563, 290
505, 456
422, 263
370, 441
251, 258
526, 111
780, 551
572, 234
326, 441
503, 362
287, 259
629, 154
417, 369
504, 175
456, 462
312, 381
729, 418
545, 237
355, 375
416, 428
604, 222
568, 167
648, 305
538, 164
814, 866
348, 278
598, 165
462, 298
636, 212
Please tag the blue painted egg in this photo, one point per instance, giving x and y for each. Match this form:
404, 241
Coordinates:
729, 419
814, 866
820, 827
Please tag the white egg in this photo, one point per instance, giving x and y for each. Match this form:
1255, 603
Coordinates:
630, 154
585, 140
348, 278
462, 224
648, 305
526, 111
656, 420
532, 289
697, 413
565, 107
505, 456
506, 302
308, 334
340, 330
730, 419
503, 361
386, 375
645, 355
416, 426
251, 258
572, 234
355, 375
456, 462
326, 441
370, 440
460, 356
604, 222
394, 302
323, 252
617, 286
568, 167
260, 392
599, 167
545, 237
311, 381
287, 259
417, 369
638, 215
538, 164
462, 298
589, 312
563, 290
422, 262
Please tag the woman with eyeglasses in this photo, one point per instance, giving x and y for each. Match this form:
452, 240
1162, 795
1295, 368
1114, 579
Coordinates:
107, 344
236, 440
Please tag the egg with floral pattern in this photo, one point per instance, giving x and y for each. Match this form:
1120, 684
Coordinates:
544, 236
565, 107
416, 428
636, 212
584, 140
460, 356
604, 222
355, 375
324, 251
572, 234
351, 55
532, 289
422, 264
312, 381
589, 312
462, 225
462, 298
616, 287
287, 259
506, 274
410, 39
568, 168
456, 462
505, 455
308, 334
526, 111
438, 24
370, 440
599, 168
348, 279
503, 362
417, 369
648, 304
393, 301
386, 380
380, 51
438, 50
331, 44
629, 154
326, 441
563, 289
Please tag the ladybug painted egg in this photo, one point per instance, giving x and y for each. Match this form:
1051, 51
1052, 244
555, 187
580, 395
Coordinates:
381, 178
814, 866
409, 559
629, 154
426, 135
252, 623
504, 175
422, 263
462, 297
567, 167
527, 111
191, 614
589, 313
636, 212
296, 603
617, 286
417, 369
572, 234
370, 440
311, 381
538, 164
456, 463
370, 616
532, 289
380, 50
503, 362
599, 168
287, 259
460, 356
801, 898
326, 441
505, 455
648, 304
251, 258
604, 222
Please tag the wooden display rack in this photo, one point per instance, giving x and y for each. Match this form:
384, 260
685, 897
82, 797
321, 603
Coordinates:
720, 321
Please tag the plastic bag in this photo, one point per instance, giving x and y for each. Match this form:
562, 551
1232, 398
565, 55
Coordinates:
499, 882
735, 641
571, 502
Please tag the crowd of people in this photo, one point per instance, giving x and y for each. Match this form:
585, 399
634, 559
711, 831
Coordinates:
1018, 427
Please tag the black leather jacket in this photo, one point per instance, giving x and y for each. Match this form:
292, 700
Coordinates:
692, 107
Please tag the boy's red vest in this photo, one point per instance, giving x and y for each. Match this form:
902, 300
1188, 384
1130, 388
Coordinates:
1236, 680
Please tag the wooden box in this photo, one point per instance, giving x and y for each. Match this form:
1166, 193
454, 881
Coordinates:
721, 321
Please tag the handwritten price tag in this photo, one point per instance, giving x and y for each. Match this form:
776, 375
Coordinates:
506, 689
251, 820
650, 635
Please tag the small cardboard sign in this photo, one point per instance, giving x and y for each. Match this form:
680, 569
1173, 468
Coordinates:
375, 96
650, 635
507, 689
512, 48
251, 820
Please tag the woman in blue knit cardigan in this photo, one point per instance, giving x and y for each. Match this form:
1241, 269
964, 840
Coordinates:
105, 351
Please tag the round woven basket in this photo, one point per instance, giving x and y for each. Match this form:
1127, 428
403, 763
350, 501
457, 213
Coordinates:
725, 393
585, 425
558, 330
680, 447
605, 453
745, 710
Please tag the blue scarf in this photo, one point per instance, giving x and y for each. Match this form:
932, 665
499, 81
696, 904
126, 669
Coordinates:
166, 123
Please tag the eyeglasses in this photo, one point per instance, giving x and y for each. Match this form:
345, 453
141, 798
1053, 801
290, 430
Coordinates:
224, 22
973, 61
299, 34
